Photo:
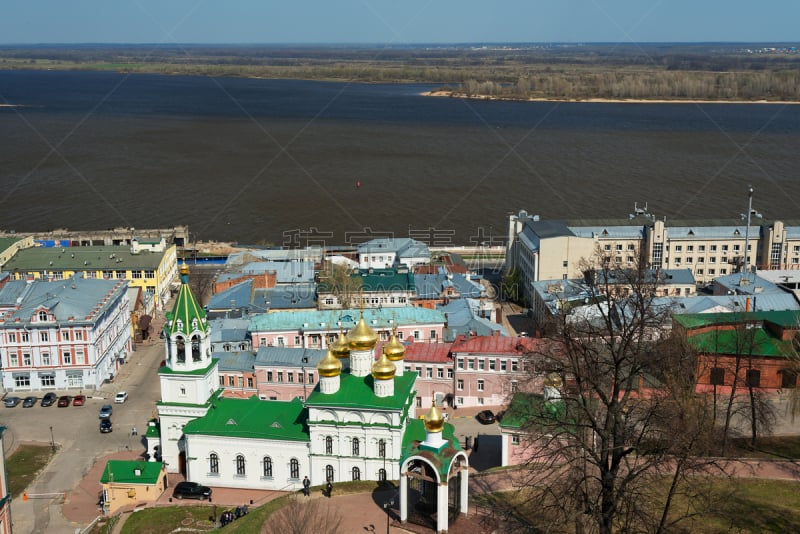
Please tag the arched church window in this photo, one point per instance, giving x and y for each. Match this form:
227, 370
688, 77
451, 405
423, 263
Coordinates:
294, 468
356, 447
328, 445
267, 467
356, 473
213, 463
329, 472
196, 356
240, 468
181, 348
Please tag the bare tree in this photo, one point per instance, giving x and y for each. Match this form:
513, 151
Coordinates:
305, 516
340, 281
627, 418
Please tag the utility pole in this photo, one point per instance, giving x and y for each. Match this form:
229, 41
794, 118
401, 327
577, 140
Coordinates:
746, 265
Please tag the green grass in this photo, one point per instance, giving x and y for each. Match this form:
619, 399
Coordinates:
163, 520
24, 465
767, 447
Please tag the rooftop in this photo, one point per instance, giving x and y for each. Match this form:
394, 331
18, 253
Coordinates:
124, 472
358, 392
116, 258
329, 319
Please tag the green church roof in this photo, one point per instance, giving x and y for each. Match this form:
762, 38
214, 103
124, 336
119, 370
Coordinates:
414, 436
358, 392
187, 315
252, 418
124, 472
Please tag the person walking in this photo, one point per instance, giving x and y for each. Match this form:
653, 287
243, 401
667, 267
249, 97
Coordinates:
306, 486
329, 488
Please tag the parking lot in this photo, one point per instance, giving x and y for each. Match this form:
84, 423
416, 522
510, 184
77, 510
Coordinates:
75, 431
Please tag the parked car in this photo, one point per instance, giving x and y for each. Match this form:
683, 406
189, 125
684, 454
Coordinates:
121, 397
10, 402
105, 411
105, 426
485, 417
63, 401
29, 401
191, 490
49, 399
79, 400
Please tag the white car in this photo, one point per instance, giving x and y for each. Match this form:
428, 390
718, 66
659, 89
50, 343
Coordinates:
121, 397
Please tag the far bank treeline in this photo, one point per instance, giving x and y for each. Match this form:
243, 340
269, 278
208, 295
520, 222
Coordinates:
639, 71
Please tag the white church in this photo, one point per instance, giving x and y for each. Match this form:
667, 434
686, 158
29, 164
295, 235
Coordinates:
359, 423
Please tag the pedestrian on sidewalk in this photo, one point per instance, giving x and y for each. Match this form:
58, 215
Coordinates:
329, 488
306, 486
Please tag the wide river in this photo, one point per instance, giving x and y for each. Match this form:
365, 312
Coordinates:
289, 162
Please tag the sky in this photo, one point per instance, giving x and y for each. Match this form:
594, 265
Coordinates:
396, 21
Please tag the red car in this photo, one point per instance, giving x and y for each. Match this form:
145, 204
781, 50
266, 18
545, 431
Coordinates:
63, 401
79, 400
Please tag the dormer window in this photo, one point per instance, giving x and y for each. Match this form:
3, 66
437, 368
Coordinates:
42, 316
194, 324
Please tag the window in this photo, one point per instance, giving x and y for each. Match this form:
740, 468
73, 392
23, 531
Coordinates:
108, 275
65, 335
480, 401
429, 372
48, 380
222, 381
513, 387
460, 384
26, 359
753, 378
44, 336
149, 274
419, 402
269, 376
480, 385
382, 448
294, 468
677, 261
267, 467
22, 381
45, 358
136, 275
382, 475
460, 401
503, 365
565, 263
450, 372
712, 248
461, 363
213, 464
723, 271
724, 248
328, 445
356, 446
356, 473
79, 335
439, 372
492, 365
416, 334
471, 363
514, 366
14, 359
281, 341
43, 316
678, 248
619, 247
481, 364
515, 439
290, 377
788, 379
280, 376
329, 472
240, 470
231, 380
296, 341
433, 334
310, 378
12, 337
717, 376
249, 382
24, 337
701, 248
724, 259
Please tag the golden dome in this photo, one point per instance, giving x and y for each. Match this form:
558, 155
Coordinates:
553, 380
383, 369
434, 420
329, 365
184, 268
362, 337
394, 350
340, 348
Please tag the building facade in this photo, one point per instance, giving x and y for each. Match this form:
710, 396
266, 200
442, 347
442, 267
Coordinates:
71, 334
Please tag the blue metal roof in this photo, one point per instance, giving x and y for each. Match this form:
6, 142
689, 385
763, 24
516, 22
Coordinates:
430, 286
288, 357
462, 318
323, 319
614, 232
711, 232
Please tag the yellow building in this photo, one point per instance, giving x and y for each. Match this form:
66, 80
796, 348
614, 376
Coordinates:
127, 483
150, 265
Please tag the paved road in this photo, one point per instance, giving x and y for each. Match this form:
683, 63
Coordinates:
76, 434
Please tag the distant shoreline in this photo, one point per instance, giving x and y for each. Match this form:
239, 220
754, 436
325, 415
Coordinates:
454, 94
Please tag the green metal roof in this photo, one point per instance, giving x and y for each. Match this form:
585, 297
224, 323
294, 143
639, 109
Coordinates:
377, 280
784, 318
8, 242
357, 392
743, 341
415, 434
111, 258
124, 472
252, 418
187, 315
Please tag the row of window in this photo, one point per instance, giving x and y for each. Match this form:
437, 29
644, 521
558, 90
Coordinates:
492, 364
267, 468
44, 335
108, 275
711, 248
753, 378
25, 359
47, 381
355, 447
480, 386
315, 340
700, 259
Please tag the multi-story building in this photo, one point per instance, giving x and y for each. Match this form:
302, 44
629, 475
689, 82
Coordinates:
548, 250
384, 253
151, 265
377, 288
317, 329
72, 333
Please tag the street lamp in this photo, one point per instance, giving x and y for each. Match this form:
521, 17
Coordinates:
52, 441
388, 504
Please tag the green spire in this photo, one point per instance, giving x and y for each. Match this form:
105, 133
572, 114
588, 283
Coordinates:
187, 315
